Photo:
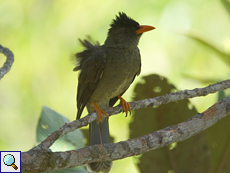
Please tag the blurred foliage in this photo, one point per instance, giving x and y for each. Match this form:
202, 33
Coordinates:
222, 55
43, 36
226, 4
191, 155
207, 151
49, 122
219, 143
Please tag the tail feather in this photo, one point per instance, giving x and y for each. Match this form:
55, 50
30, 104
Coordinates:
99, 134
100, 166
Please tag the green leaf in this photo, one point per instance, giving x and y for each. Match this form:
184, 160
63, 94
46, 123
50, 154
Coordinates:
191, 155
221, 95
49, 122
226, 4
223, 56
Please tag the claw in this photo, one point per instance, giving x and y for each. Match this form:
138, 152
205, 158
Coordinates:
125, 105
99, 111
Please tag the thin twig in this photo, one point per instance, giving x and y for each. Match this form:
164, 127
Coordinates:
9, 61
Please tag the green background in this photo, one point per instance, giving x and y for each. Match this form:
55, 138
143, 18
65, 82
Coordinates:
43, 36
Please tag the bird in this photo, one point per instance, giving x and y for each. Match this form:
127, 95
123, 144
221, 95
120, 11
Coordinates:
106, 72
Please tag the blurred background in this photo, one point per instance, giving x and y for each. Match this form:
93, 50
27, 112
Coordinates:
43, 35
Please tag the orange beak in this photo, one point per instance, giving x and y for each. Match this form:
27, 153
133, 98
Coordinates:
144, 28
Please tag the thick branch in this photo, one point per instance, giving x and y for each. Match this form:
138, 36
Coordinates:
43, 160
9, 61
172, 97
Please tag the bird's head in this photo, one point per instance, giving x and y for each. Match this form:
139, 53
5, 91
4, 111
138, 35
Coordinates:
125, 31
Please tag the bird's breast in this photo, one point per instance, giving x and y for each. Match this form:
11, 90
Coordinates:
121, 67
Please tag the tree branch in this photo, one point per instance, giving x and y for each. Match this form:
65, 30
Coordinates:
42, 159
157, 101
9, 61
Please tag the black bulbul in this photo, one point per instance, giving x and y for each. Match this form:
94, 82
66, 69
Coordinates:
106, 72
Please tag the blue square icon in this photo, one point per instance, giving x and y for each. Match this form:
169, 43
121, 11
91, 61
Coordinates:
10, 161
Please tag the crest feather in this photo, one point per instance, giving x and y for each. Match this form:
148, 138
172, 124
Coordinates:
122, 20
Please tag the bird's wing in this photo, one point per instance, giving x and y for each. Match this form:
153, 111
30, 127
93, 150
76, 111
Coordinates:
91, 63
114, 100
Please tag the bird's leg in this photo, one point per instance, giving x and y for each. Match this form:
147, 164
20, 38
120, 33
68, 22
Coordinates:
99, 111
125, 105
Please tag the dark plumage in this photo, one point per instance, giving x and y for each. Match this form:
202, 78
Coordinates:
124, 21
106, 72
91, 63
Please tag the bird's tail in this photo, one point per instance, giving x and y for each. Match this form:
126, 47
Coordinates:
99, 134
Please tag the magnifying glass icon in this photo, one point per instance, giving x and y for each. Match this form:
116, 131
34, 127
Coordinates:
9, 160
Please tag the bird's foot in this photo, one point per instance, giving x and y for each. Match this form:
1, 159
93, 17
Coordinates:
125, 105
99, 111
